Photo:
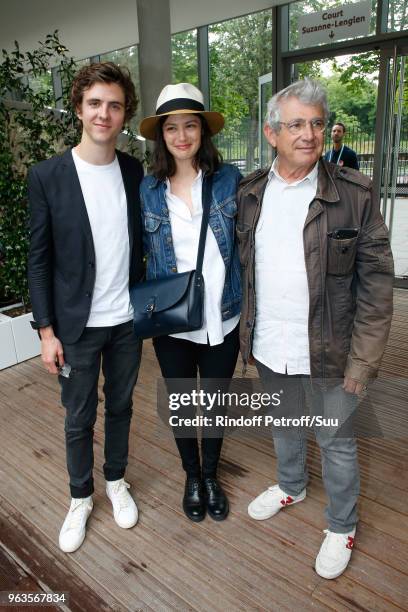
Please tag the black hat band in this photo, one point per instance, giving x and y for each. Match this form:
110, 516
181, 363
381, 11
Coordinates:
179, 104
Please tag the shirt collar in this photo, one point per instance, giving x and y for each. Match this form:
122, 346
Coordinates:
312, 176
181, 209
198, 178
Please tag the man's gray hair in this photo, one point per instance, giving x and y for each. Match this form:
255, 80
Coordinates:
307, 91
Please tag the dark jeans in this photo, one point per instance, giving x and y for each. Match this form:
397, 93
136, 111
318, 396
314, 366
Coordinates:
120, 352
182, 359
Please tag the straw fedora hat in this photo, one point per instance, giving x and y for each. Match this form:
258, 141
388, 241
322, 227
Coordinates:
176, 99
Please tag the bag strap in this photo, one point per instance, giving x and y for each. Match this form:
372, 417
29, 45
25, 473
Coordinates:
206, 200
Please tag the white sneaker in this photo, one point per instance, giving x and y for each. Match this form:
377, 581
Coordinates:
272, 500
72, 532
124, 507
334, 554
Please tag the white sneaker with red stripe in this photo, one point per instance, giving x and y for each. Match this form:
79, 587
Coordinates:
272, 500
334, 554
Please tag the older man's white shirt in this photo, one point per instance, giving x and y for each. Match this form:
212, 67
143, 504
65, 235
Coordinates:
281, 338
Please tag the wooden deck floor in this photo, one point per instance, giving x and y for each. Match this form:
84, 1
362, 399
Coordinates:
168, 563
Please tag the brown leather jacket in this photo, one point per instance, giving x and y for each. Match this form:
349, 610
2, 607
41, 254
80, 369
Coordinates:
350, 280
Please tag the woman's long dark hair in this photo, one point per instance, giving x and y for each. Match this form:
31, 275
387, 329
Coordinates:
163, 166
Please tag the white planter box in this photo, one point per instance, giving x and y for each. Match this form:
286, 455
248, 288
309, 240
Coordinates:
18, 341
26, 340
8, 355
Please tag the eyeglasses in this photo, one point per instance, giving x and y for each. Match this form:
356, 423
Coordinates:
298, 125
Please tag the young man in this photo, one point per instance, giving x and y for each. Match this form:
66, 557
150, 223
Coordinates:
85, 252
340, 154
317, 305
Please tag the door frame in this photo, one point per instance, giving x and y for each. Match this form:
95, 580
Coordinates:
388, 49
262, 80
385, 126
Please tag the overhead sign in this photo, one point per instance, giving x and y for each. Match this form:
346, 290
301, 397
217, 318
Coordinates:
336, 23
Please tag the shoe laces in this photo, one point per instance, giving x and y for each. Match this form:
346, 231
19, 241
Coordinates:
275, 490
119, 490
212, 484
193, 484
76, 513
338, 541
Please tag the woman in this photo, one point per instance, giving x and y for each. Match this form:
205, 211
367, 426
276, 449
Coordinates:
171, 199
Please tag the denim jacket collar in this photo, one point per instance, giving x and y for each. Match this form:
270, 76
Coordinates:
156, 182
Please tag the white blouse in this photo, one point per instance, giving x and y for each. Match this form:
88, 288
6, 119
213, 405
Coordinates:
185, 229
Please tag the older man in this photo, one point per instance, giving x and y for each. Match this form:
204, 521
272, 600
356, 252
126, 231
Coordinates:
317, 303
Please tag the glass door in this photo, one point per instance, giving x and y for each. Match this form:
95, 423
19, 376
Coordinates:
265, 94
351, 82
394, 156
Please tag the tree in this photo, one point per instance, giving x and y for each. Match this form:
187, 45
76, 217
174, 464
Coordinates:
398, 15
354, 98
240, 52
184, 57
128, 57
29, 132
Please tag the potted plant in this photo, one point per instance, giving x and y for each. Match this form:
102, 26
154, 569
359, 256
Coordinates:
30, 130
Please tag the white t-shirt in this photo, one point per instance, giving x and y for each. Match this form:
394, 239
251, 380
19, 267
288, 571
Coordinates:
185, 230
106, 205
281, 336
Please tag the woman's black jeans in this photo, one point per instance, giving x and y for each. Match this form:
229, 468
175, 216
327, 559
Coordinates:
182, 359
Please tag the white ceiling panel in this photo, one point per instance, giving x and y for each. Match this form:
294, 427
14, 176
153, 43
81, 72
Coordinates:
90, 27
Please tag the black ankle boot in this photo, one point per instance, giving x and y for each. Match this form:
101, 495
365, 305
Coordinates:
217, 502
194, 499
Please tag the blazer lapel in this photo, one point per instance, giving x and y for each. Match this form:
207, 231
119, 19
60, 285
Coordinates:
128, 182
77, 201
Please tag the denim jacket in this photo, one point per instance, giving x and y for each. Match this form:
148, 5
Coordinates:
158, 243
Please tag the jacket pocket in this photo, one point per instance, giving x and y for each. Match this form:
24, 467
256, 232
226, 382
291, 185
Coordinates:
228, 207
244, 242
151, 223
380, 247
341, 255
153, 243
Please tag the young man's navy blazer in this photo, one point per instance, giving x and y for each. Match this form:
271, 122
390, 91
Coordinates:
61, 264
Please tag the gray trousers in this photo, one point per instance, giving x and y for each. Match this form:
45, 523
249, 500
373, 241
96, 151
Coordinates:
338, 447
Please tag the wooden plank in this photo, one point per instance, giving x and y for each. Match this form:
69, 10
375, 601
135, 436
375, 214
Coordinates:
252, 469
26, 542
366, 567
14, 578
189, 561
345, 594
52, 455
288, 534
301, 527
122, 581
384, 471
263, 582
